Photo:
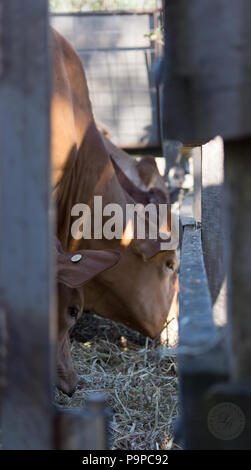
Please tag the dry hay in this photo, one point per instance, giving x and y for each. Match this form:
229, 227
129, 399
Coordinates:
139, 378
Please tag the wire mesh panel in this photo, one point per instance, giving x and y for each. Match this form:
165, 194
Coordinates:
117, 56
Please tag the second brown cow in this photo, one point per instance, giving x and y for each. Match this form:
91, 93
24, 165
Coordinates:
138, 291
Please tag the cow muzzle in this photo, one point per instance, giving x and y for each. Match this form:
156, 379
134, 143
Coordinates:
66, 377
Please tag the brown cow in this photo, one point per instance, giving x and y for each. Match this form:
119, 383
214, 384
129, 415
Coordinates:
143, 173
154, 195
138, 291
73, 271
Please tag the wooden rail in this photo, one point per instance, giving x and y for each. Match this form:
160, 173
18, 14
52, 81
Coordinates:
201, 356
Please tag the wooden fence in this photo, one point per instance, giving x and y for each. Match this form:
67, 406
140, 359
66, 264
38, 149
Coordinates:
207, 85
27, 304
214, 363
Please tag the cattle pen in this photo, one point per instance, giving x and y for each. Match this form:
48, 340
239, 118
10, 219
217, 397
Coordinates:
197, 395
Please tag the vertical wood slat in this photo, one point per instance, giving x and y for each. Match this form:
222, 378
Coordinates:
208, 73
84, 429
213, 236
25, 251
3, 350
234, 397
237, 232
196, 155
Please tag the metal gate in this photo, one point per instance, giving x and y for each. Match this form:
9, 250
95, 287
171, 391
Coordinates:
117, 57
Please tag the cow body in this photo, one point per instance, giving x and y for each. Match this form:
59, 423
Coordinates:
137, 291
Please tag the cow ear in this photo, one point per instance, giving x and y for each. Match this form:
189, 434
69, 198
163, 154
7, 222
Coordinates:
70, 273
76, 268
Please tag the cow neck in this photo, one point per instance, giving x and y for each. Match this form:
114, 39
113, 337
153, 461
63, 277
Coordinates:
95, 173
87, 174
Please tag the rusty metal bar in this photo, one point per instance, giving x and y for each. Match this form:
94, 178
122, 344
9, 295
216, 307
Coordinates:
110, 12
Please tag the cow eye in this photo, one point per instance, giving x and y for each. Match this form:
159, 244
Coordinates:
73, 311
169, 265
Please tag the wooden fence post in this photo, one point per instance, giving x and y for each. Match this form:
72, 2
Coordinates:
196, 154
86, 429
201, 358
25, 220
213, 234
3, 350
232, 401
208, 88
238, 216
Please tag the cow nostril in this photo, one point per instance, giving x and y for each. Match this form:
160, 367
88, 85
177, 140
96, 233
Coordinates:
74, 311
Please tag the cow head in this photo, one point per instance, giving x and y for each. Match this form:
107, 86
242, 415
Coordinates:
73, 271
139, 290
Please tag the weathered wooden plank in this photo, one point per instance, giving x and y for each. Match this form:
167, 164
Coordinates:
201, 357
238, 253
186, 210
213, 235
228, 410
25, 251
208, 74
198, 333
86, 429
197, 175
170, 149
3, 350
